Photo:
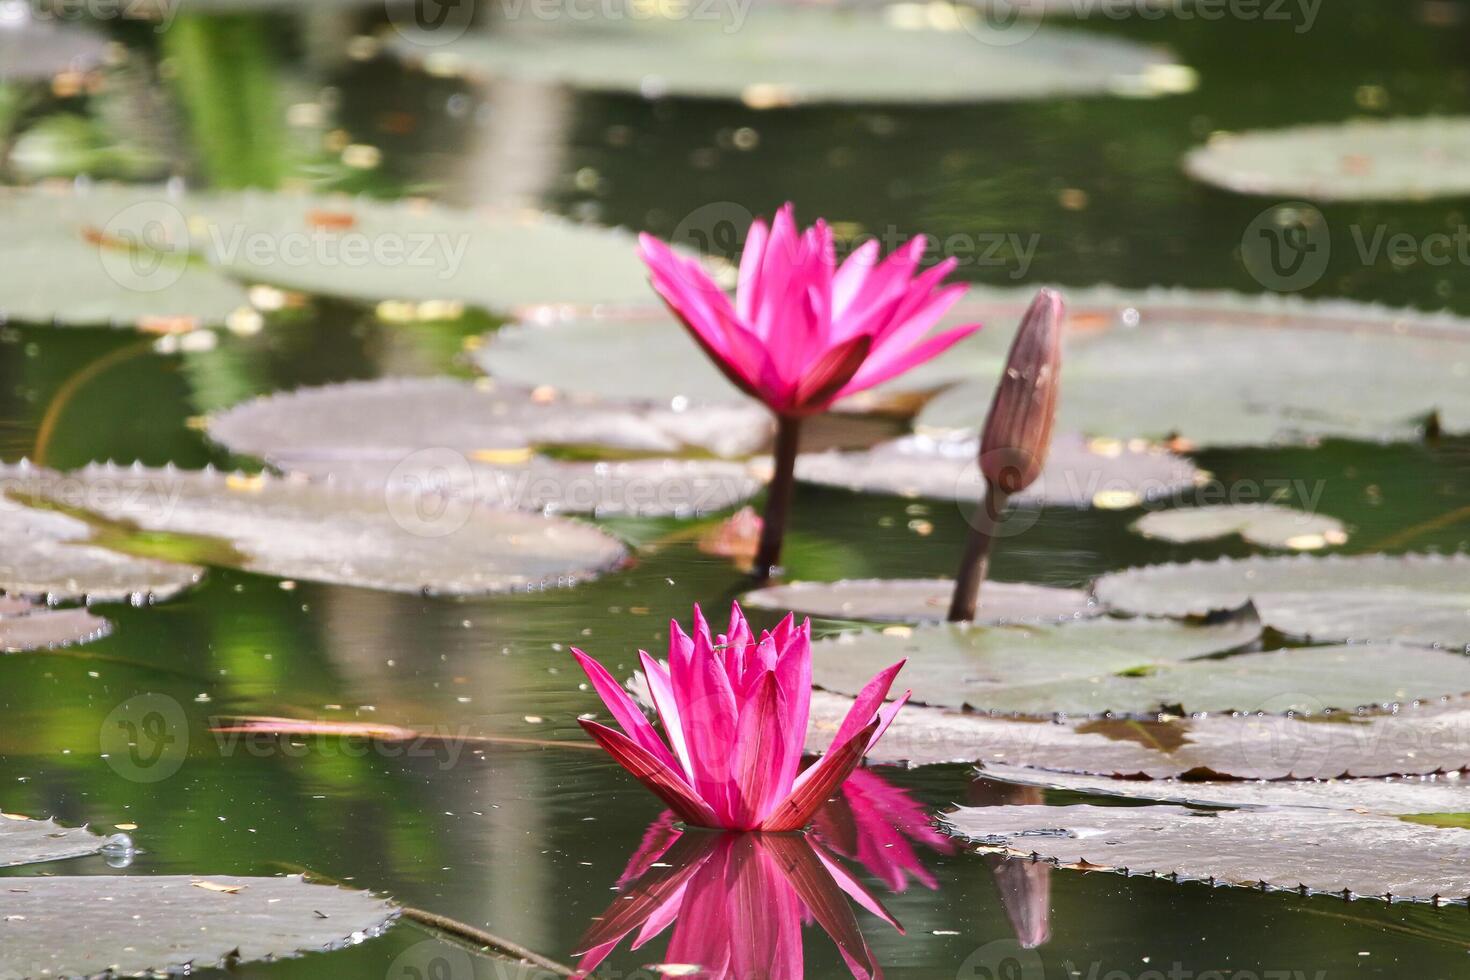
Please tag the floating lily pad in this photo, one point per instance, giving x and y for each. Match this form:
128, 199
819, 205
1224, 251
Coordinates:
1409, 598
1037, 670
1136, 667
36, 48
1267, 525
393, 418
947, 468
1217, 369
106, 256
924, 600
365, 250
24, 626
27, 841
643, 353
1398, 795
1416, 740
383, 539
126, 925
780, 57
1364, 160
46, 553
1299, 849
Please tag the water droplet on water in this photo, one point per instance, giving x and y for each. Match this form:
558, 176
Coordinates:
118, 851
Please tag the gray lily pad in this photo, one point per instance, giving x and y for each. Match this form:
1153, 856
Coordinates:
1016, 668
34, 48
780, 57
1408, 598
1398, 795
1216, 369
24, 626
384, 539
393, 418
1136, 667
27, 841
1266, 525
1363, 160
364, 250
924, 600
1415, 740
947, 468
46, 553
106, 256
135, 924
1309, 850
583, 353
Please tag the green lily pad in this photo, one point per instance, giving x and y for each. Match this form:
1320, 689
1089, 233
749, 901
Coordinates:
781, 57
27, 841
1266, 525
948, 468
48, 554
1297, 849
1397, 795
1414, 740
1219, 370
924, 600
106, 256
1363, 160
1135, 667
130, 925
392, 539
25, 626
364, 250
36, 48
1331, 598
392, 418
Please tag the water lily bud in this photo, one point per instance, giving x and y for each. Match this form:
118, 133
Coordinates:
1017, 433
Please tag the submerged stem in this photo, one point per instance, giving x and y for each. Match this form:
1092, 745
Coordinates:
975, 565
778, 497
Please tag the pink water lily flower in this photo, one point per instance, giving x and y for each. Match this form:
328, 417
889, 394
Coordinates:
735, 710
804, 331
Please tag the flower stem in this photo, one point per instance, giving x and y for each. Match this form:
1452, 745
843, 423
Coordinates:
976, 563
778, 497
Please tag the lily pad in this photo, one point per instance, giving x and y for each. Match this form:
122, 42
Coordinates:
27, 841
1415, 740
1397, 795
34, 48
392, 418
1411, 159
1266, 525
1331, 598
126, 925
947, 468
782, 57
106, 256
1300, 849
1016, 668
1136, 667
46, 553
364, 250
384, 539
924, 600
24, 626
1221, 370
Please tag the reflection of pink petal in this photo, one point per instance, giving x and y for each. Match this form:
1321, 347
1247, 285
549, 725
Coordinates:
1025, 894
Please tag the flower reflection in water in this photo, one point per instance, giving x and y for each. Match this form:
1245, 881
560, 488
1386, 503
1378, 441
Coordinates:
737, 901
1024, 885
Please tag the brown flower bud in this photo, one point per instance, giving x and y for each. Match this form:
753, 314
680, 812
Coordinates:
1017, 434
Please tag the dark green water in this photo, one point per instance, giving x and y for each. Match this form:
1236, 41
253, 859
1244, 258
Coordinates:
527, 842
